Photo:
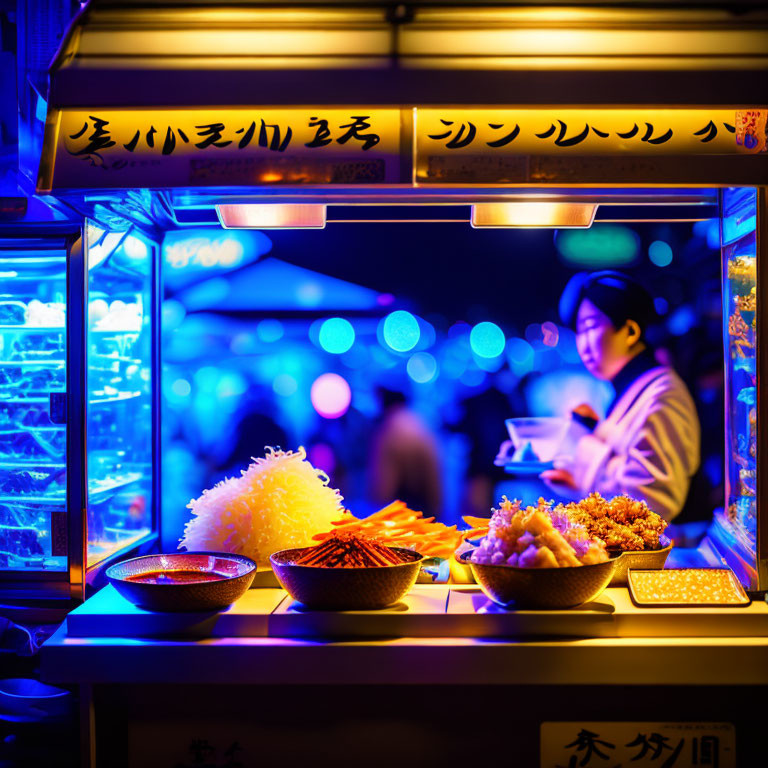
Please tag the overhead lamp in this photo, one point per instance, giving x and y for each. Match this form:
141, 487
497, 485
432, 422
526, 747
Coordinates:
533, 215
271, 216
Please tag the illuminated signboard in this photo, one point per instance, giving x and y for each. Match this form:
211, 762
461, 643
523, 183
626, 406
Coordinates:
488, 144
223, 147
265, 147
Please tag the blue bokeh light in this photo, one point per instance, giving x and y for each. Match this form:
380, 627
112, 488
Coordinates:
422, 367
600, 246
270, 331
487, 340
336, 335
401, 331
681, 320
660, 253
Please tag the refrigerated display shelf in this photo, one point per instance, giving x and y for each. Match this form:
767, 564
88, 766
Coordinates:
60, 497
46, 361
31, 464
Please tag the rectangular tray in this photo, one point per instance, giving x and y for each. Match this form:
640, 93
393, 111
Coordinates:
664, 574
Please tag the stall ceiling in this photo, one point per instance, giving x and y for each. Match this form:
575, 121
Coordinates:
194, 54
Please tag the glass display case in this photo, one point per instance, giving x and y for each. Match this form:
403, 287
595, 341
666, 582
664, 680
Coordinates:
33, 446
735, 530
119, 391
78, 459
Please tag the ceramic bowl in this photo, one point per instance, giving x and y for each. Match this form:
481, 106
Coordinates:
346, 589
236, 572
652, 559
535, 588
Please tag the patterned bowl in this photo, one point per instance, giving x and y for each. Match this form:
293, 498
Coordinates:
227, 577
535, 588
346, 589
645, 559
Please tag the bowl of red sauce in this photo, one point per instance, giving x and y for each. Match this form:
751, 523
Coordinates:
183, 581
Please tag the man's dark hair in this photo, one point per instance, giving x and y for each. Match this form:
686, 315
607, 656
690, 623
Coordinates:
616, 295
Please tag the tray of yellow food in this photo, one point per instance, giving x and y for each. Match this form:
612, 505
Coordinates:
686, 588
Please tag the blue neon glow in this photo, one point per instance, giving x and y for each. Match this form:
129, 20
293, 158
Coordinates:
336, 335
660, 253
487, 340
422, 367
401, 331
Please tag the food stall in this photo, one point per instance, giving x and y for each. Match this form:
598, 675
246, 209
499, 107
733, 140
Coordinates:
272, 117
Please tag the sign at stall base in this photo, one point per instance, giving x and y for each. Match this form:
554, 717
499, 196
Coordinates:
640, 745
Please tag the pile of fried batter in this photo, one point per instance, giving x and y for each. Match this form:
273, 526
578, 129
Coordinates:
622, 523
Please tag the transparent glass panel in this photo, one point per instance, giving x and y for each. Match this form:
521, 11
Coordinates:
33, 460
119, 378
739, 317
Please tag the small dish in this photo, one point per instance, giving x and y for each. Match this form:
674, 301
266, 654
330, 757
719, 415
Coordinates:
346, 589
541, 588
647, 559
183, 581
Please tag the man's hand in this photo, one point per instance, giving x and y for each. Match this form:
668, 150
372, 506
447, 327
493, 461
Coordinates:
555, 477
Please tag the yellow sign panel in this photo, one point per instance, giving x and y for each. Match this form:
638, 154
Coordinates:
258, 146
459, 142
270, 146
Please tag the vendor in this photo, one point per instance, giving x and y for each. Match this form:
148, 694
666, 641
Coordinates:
647, 446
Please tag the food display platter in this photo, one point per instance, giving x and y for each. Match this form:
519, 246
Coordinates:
427, 611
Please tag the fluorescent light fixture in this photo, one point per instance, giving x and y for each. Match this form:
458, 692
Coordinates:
533, 215
271, 216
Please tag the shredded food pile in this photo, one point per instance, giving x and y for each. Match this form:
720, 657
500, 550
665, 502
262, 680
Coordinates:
346, 550
279, 502
398, 526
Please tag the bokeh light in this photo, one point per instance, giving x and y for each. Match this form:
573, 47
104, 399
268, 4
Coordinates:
487, 340
401, 331
661, 305
550, 334
181, 388
422, 367
601, 246
330, 395
520, 356
336, 335
660, 253
681, 320
270, 331
284, 385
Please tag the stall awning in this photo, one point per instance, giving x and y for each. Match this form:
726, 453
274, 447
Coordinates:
203, 53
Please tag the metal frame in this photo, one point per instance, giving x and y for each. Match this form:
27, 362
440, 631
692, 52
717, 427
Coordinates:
77, 395
761, 251
95, 576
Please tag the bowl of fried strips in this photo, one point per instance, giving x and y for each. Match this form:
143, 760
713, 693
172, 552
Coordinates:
347, 572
